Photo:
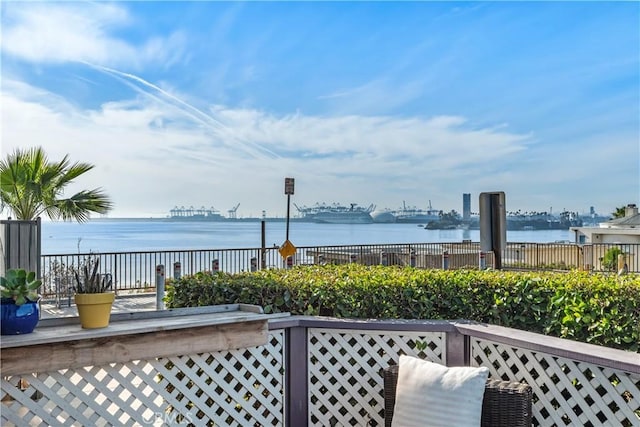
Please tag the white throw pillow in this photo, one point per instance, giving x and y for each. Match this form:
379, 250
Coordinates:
433, 395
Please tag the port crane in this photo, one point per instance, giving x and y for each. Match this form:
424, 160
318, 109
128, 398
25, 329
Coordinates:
233, 212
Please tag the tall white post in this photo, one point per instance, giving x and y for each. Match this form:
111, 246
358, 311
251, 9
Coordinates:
160, 287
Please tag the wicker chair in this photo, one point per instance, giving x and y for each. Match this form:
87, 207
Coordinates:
505, 403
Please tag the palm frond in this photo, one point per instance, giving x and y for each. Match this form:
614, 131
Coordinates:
31, 185
78, 206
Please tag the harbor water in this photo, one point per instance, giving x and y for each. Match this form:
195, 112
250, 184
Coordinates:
134, 235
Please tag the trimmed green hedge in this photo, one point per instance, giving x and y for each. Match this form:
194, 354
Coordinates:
594, 308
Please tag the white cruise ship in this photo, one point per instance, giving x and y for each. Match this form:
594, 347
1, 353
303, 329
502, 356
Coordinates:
337, 214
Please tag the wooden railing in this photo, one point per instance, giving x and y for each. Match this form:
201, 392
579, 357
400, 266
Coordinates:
301, 371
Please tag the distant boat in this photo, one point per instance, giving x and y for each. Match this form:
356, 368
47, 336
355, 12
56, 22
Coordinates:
337, 214
414, 215
543, 221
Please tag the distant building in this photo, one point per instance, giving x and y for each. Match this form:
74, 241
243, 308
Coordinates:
619, 230
466, 206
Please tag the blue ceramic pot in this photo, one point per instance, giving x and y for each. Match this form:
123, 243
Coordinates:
18, 319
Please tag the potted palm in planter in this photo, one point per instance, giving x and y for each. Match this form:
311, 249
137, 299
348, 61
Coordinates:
92, 295
19, 304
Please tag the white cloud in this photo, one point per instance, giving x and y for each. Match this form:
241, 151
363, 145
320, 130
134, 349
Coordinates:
149, 158
156, 150
436, 141
72, 32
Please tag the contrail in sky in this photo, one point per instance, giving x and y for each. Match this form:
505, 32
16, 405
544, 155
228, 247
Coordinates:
200, 116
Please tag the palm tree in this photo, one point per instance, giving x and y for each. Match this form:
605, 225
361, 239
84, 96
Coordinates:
31, 185
619, 213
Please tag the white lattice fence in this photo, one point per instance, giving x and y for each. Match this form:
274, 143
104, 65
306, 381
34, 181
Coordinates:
566, 392
239, 387
345, 371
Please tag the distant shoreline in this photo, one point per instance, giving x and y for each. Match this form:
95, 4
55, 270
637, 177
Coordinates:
189, 220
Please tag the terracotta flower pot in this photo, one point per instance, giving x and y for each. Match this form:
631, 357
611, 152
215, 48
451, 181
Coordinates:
94, 309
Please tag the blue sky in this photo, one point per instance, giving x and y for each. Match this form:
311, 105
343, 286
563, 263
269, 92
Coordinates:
214, 103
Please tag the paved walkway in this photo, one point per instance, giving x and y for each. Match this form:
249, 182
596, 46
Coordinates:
122, 304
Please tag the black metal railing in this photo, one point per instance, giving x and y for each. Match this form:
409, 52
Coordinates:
570, 256
137, 270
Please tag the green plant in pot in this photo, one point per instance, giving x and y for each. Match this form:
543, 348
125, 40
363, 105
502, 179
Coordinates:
92, 295
19, 305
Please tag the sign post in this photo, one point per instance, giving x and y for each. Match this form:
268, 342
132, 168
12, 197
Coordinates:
287, 249
288, 190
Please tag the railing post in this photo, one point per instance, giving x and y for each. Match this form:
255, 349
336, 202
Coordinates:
263, 246
458, 347
39, 248
384, 258
160, 287
177, 270
579, 258
296, 377
116, 275
623, 267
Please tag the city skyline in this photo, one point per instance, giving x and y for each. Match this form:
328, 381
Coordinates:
215, 103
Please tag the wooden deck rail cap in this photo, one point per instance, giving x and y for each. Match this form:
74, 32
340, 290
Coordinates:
157, 334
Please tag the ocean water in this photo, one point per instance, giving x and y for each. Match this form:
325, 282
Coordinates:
133, 235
